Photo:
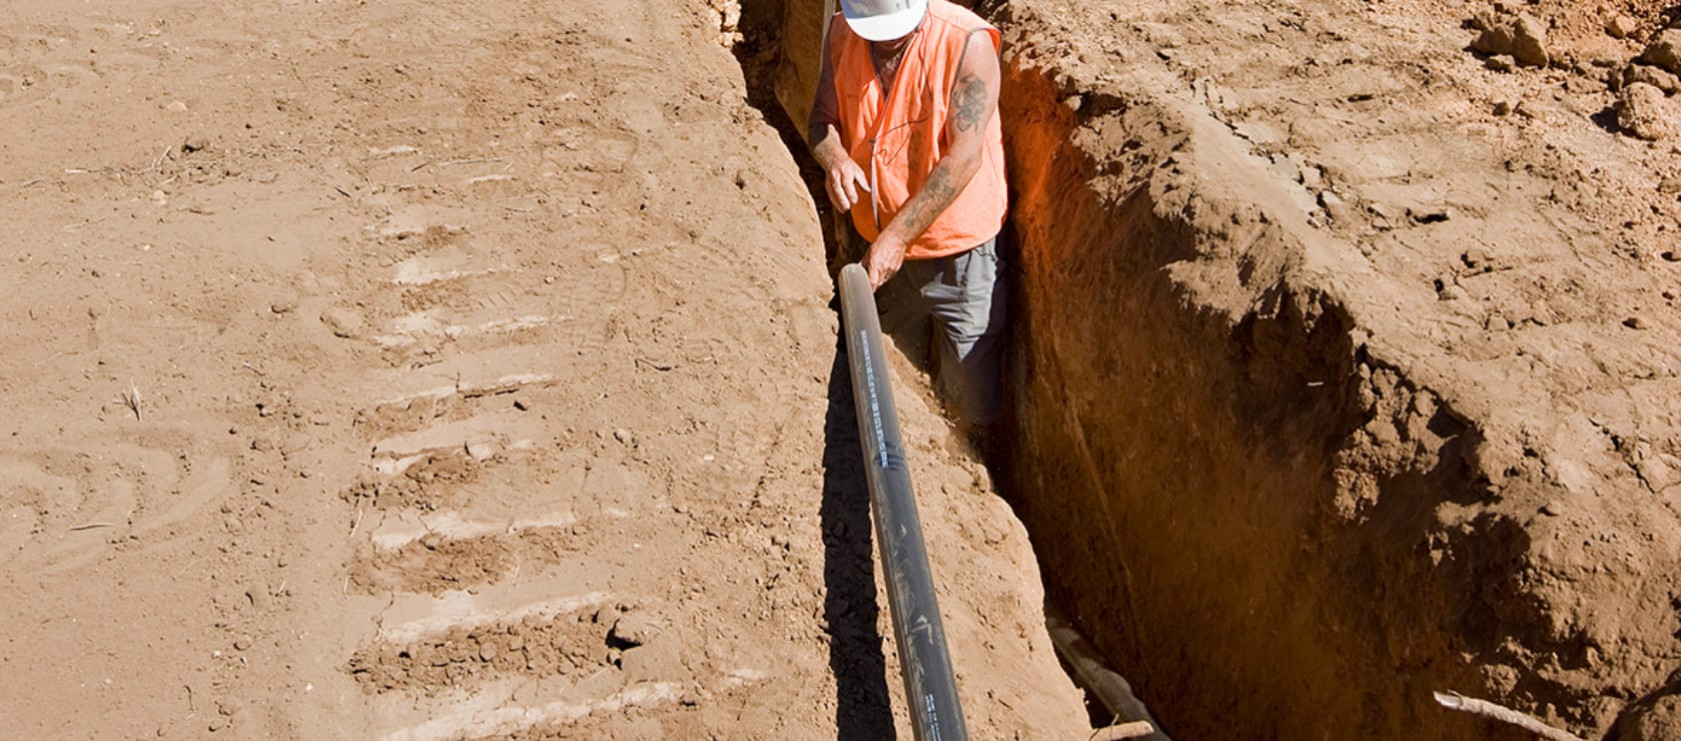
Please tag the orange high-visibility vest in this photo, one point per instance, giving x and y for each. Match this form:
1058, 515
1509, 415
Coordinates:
897, 136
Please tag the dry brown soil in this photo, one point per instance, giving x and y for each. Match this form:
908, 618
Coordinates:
421, 369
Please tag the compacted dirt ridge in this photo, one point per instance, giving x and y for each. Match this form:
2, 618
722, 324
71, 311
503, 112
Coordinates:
424, 370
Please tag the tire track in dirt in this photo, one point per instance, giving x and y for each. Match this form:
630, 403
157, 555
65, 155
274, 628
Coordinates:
471, 513
467, 496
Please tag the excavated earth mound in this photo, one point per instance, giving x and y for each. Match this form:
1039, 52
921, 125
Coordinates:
1346, 362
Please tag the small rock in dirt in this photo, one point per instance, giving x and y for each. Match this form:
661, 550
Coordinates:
1665, 51
487, 652
1497, 323
344, 322
1451, 293
1475, 258
259, 598
1622, 26
1335, 207
1530, 110
195, 143
1502, 107
522, 405
1529, 42
1655, 76
633, 629
241, 643
1602, 66
1659, 719
1495, 40
1499, 64
481, 450
1671, 256
284, 306
624, 436
176, 106
1429, 215
1644, 112
1634, 322
1551, 509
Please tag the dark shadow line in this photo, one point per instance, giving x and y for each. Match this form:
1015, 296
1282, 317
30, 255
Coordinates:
863, 710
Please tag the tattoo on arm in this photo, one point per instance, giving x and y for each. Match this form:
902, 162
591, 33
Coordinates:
972, 105
929, 202
969, 103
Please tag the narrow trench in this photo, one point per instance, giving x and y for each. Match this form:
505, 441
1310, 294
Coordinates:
1191, 413
758, 54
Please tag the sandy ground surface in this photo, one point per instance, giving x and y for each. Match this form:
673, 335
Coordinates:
431, 370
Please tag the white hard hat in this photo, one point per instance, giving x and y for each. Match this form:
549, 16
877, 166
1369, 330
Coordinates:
883, 20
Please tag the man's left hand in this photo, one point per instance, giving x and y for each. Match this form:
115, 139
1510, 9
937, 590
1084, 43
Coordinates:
883, 260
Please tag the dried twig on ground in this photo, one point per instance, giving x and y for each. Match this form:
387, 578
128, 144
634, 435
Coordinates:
159, 161
1135, 729
1456, 701
132, 399
469, 161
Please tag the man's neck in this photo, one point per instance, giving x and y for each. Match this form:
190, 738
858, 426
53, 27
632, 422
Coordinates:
887, 58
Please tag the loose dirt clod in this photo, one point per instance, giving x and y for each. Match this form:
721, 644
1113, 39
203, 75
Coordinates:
1644, 111
1665, 51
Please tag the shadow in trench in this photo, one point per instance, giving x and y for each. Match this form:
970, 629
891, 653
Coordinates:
863, 710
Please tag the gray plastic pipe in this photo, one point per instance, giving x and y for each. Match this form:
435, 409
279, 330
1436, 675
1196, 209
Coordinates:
924, 660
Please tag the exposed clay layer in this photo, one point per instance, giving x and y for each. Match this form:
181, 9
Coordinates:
1299, 477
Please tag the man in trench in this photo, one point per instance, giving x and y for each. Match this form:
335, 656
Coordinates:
906, 127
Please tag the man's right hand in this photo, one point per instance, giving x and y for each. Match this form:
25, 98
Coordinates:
845, 180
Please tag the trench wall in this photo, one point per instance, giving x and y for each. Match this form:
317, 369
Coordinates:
1193, 427
1271, 512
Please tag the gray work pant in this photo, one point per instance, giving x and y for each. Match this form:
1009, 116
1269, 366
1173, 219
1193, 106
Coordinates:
965, 297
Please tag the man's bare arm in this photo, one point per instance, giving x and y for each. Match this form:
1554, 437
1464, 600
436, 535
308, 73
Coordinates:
823, 125
842, 177
973, 100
